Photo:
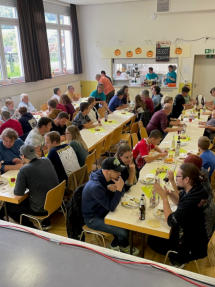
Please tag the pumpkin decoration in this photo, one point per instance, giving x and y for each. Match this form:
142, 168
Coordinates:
129, 54
138, 51
117, 52
149, 54
178, 51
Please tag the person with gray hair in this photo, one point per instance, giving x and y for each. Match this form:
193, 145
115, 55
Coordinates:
38, 176
10, 123
159, 121
24, 102
71, 93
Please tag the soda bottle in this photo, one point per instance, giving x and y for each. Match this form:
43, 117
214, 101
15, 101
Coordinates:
142, 207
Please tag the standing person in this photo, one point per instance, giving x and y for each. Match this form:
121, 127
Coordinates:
9, 151
101, 194
103, 73
108, 87
116, 102
10, 123
57, 94
188, 236
151, 75
27, 121
124, 155
71, 93
179, 103
75, 140
38, 176
62, 156
148, 101
125, 99
170, 76
24, 102
68, 105
207, 156
156, 98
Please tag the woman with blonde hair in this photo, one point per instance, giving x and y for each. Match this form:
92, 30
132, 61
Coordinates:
75, 140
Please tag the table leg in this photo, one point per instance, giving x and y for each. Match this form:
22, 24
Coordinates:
143, 244
5, 211
131, 241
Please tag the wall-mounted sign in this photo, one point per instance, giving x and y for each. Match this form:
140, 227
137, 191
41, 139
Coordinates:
129, 54
138, 51
163, 51
117, 52
209, 51
149, 54
178, 51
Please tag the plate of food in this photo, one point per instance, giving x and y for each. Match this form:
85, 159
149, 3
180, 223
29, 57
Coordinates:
169, 160
160, 170
148, 179
130, 202
159, 213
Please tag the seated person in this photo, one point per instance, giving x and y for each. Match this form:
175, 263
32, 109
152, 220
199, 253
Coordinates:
141, 152
81, 120
9, 107
148, 101
68, 105
101, 194
75, 140
207, 156
211, 105
70, 93
179, 103
125, 99
38, 176
116, 102
27, 121
99, 96
59, 124
52, 108
9, 150
156, 98
93, 113
159, 121
125, 157
26, 103
151, 75
36, 136
62, 156
188, 236
139, 105
57, 95
209, 127
170, 76
10, 123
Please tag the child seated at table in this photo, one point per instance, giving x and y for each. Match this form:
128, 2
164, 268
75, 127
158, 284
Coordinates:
82, 119
207, 156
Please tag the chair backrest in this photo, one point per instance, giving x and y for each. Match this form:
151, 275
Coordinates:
98, 148
102, 112
134, 139
143, 132
44, 107
108, 142
116, 135
54, 198
90, 160
134, 128
77, 178
140, 124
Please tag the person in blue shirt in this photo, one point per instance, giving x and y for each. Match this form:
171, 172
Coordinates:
116, 102
170, 76
207, 156
156, 98
151, 75
9, 150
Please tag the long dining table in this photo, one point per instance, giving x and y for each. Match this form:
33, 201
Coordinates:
155, 223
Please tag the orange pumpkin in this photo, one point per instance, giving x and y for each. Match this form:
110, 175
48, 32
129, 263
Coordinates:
149, 54
117, 52
178, 51
138, 51
129, 54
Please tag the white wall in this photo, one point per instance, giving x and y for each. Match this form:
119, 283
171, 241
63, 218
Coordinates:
134, 24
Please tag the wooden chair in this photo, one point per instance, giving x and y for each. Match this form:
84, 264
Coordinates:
134, 139
127, 127
143, 132
90, 160
54, 201
76, 179
140, 124
107, 143
134, 128
99, 234
116, 135
102, 112
126, 137
44, 107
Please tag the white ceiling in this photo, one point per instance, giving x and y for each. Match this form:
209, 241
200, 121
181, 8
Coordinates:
93, 2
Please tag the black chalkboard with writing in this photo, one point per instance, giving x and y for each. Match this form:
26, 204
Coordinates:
162, 53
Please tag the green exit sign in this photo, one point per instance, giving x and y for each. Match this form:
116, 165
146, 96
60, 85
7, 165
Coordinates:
209, 51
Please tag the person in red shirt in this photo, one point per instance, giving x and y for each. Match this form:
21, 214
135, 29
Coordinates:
10, 123
108, 87
142, 149
148, 101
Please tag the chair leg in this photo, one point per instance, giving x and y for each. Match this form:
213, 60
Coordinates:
64, 213
82, 233
167, 255
197, 265
102, 238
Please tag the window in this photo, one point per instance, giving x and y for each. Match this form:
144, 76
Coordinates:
10, 51
59, 32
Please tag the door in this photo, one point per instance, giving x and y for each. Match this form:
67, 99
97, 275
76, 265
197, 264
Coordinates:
203, 76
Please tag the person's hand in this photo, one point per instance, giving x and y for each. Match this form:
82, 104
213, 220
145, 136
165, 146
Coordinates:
17, 160
163, 192
119, 183
162, 154
180, 129
38, 151
112, 187
132, 166
170, 175
19, 165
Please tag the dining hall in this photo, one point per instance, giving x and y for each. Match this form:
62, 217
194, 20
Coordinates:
107, 143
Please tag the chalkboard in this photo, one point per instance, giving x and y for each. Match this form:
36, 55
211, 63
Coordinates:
162, 53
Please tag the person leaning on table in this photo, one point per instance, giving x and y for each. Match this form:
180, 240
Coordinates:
82, 119
116, 102
101, 194
38, 176
9, 150
188, 236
